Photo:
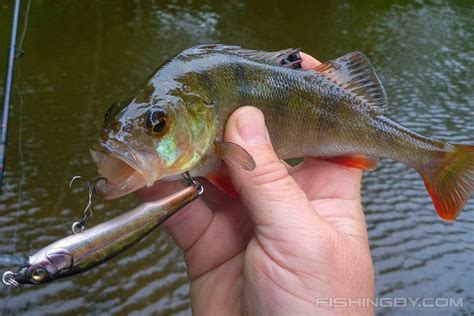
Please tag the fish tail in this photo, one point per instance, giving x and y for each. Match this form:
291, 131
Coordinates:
450, 181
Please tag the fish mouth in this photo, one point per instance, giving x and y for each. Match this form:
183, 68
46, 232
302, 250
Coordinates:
125, 169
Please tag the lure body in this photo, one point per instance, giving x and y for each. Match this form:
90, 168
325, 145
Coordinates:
82, 251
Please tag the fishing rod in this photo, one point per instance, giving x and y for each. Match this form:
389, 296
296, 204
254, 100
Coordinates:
8, 88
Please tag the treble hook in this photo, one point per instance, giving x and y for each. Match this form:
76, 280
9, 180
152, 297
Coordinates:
78, 227
90, 187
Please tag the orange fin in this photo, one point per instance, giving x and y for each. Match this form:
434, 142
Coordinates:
235, 155
222, 181
451, 183
355, 161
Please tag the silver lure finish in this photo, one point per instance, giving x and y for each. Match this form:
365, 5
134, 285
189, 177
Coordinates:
84, 250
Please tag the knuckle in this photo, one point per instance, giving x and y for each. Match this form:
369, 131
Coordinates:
269, 170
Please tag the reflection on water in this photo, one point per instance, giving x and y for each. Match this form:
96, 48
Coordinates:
82, 56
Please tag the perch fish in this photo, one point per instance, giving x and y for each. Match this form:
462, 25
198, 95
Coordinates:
175, 122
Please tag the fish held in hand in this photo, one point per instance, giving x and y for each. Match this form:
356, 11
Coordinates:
336, 111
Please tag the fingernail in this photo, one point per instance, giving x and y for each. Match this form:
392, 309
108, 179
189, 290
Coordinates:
251, 127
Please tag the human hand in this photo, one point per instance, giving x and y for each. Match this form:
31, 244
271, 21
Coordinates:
294, 234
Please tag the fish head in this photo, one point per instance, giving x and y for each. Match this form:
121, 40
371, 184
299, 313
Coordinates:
148, 138
44, 267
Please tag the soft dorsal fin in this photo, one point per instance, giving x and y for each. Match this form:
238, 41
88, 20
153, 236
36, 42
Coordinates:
289, 58
354, 73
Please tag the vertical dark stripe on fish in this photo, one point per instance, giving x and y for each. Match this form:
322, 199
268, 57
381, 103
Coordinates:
280, 98
206, 81
241, 83
328, 119
283, 97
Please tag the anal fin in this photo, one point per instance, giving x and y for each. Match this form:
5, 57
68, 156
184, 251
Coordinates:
355, 161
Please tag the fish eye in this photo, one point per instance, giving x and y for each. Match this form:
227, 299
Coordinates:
39, 274
156, 122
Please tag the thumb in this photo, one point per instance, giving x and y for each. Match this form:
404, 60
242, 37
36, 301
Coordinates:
270, 193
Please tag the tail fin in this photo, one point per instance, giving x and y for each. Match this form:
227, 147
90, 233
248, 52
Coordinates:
452, 183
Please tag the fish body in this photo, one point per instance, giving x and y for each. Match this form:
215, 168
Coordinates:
82, 251
175, 122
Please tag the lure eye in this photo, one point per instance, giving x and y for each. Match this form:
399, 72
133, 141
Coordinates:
39, 274
156, 122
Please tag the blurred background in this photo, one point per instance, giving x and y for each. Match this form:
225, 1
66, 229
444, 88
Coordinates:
81, 56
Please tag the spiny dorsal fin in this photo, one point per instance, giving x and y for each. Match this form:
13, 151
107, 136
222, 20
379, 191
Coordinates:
289, 58
354, 73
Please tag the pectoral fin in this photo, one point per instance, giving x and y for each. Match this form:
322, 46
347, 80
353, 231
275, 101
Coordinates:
235, 155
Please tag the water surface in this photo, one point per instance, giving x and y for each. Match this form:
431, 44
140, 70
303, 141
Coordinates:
81, 56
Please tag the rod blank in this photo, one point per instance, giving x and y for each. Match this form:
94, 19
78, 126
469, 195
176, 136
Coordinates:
8, 88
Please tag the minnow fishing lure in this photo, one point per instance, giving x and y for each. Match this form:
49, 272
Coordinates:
83, 250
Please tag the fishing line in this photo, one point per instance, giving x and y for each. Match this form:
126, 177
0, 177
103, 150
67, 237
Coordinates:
20, 127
